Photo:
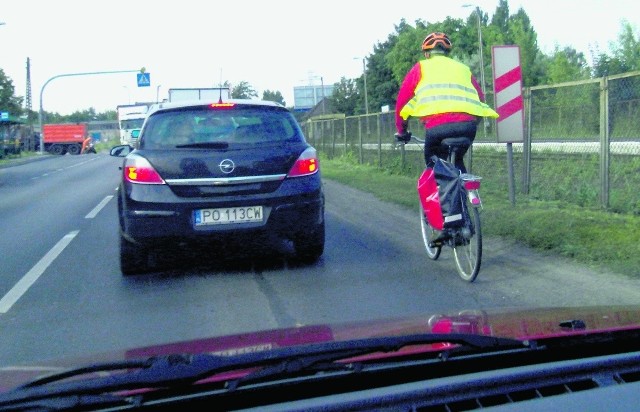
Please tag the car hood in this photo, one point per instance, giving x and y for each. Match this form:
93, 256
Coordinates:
522, 324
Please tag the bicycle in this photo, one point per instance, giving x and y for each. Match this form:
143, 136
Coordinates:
466, 239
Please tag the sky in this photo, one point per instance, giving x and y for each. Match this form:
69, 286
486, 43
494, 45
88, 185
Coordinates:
273, 45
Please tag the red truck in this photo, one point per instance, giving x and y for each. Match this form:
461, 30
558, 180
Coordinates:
64, 138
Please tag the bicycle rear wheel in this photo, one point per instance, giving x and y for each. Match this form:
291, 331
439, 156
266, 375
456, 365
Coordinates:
467, 250
427, 233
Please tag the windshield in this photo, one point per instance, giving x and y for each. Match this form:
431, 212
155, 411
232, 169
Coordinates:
352, 171
131, 123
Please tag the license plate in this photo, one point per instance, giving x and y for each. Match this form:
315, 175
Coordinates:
227, 215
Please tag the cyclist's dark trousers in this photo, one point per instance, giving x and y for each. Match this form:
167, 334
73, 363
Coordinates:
434, 136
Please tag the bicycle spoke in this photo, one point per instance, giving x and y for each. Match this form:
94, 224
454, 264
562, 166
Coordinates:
427, 233
468, 255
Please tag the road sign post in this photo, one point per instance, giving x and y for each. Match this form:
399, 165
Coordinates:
507, 84
507, 87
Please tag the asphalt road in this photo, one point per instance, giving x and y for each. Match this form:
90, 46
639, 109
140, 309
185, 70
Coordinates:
62, 294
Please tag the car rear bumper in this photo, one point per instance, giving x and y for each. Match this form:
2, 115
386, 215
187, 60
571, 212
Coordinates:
161, 223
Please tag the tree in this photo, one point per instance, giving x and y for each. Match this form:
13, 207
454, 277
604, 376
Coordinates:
8, 101
500, 19
243, 90
605, 65
404, 51
625, 58
273, 96
521, 33
627, 51
345, 96
382, 87
566, 65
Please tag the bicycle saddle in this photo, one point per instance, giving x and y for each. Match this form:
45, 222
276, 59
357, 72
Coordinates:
456, 142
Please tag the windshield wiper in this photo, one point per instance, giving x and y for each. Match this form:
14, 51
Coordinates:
204, 145
168, 371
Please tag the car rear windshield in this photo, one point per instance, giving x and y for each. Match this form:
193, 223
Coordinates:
194, 127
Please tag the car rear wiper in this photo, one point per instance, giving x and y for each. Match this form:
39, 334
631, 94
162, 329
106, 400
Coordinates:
167, 371
204, 145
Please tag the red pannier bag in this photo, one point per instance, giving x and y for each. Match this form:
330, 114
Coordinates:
430, 199
442, 195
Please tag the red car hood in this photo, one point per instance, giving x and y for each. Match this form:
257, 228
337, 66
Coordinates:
523, 324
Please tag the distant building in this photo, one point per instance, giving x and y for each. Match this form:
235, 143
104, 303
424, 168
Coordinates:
307, 97
323, 108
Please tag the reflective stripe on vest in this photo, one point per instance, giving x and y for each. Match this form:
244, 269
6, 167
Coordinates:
446, 88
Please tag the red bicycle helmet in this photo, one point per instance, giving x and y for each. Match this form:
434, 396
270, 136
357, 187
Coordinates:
436, 40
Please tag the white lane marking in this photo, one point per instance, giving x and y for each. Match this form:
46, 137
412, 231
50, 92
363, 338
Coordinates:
36, 271
98, 208
65, 168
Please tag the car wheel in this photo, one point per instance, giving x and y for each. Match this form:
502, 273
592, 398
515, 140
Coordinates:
134, 259
309, 246
57, 149
74, 149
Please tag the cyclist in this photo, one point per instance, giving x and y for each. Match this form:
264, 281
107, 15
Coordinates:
86, 146
444, 95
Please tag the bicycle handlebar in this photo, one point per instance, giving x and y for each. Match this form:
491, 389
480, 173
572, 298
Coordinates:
411, 137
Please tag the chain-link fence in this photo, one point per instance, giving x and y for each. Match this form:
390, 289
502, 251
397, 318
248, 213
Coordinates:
582, 144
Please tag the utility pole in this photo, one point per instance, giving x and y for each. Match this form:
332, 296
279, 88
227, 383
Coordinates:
27, 99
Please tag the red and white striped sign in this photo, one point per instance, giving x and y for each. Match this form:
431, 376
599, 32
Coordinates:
507, 87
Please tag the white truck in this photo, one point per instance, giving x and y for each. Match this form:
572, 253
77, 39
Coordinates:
195, 94
130, 118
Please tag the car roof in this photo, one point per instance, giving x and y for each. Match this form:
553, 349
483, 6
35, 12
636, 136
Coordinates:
165, 106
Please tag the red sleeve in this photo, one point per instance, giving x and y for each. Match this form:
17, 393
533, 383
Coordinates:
406, 92
477, 86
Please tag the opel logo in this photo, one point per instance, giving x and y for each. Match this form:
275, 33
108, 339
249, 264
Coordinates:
227, 166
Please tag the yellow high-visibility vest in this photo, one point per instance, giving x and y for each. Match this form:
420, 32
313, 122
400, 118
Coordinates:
445, 87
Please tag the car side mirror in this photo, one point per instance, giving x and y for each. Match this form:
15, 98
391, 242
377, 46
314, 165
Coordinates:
121, 150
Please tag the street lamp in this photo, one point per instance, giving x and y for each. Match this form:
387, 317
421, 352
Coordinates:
482, 83
41, 114
364, 73
322, 88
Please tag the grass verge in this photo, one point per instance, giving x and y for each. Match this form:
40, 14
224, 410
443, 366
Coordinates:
596, 238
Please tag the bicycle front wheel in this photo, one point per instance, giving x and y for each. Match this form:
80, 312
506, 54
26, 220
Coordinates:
427, 233
467, 249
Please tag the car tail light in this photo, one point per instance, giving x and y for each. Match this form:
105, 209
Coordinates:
137, 169
222, 105
307, 164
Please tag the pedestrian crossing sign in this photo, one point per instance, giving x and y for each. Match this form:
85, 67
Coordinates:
144, 79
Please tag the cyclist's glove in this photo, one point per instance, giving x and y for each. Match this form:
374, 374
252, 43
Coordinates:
403, 137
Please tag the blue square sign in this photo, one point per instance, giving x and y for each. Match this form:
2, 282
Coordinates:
144, 79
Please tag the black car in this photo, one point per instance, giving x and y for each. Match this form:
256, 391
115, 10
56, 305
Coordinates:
206, 171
